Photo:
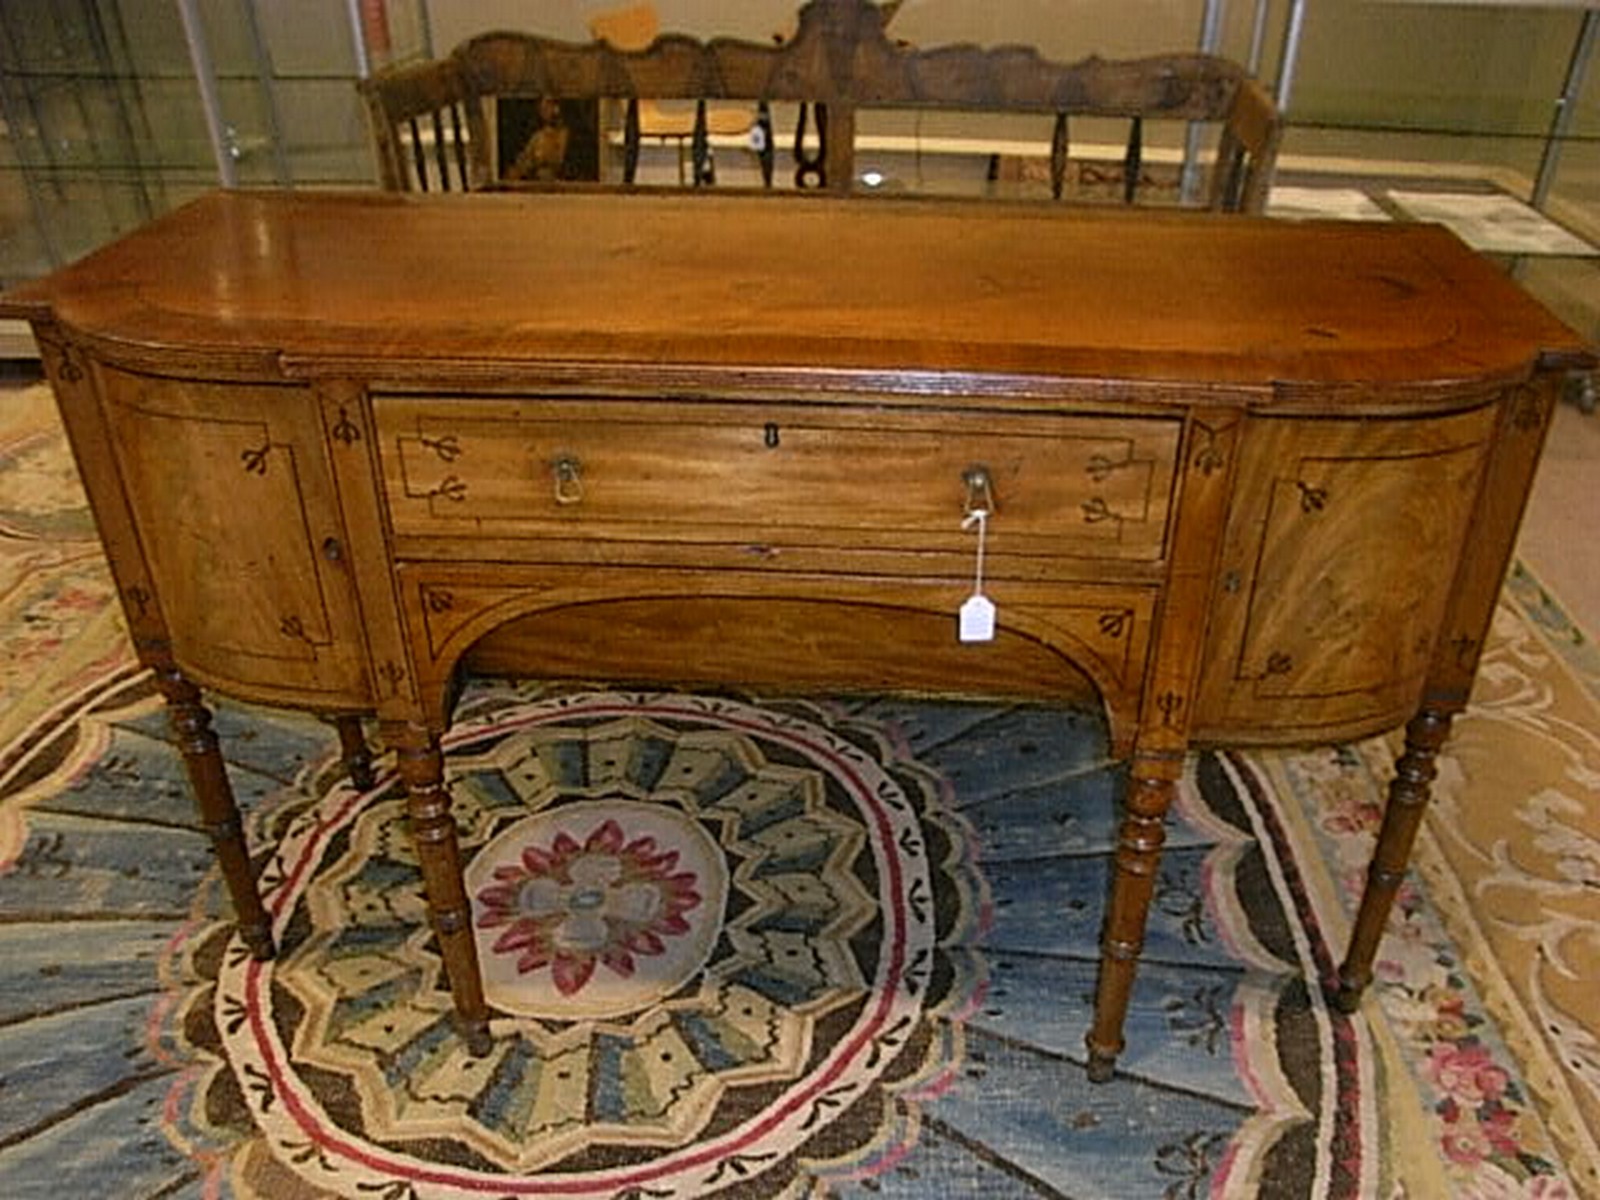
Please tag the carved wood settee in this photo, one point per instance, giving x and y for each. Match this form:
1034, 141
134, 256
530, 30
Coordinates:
443, 124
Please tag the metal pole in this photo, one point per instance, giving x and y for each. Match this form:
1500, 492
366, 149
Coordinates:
137, 117
205, 77
266, 76
1211, 26
1258, 37
358, 35
1561, 120
1290, 59
121, 133
1210, 40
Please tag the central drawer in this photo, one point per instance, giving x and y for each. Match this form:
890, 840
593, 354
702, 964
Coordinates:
794, 475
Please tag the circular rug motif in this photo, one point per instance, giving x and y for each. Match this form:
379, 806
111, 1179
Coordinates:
709, 931
595, 909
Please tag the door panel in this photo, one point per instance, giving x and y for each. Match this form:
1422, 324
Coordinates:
234, 502
1339, 557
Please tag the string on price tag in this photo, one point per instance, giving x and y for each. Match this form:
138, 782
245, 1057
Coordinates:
978, 611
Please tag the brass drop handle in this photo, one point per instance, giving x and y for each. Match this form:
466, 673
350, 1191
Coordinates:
980, 490
569, 479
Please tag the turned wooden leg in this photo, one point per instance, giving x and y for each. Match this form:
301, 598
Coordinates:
354, 750
1133, 879
434, 832
1408, 798
190, 722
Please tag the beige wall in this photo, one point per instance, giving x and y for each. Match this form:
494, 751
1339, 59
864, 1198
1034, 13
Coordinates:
1060, 28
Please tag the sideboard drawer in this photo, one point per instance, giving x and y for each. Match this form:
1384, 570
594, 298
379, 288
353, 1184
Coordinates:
796, 475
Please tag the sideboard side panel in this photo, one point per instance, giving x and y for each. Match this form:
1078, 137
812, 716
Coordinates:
73, 382
1524, 419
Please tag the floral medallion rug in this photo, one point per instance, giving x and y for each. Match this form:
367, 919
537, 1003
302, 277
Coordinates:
762, 947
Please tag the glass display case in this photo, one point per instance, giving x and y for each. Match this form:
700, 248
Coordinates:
1483, 114
112, 111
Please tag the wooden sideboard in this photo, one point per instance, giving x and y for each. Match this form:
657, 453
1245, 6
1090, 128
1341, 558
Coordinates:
1245, 481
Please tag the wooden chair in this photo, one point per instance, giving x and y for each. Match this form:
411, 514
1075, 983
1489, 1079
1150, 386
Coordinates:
419, 118
839, 63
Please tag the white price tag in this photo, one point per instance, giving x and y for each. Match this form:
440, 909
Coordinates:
977, 619
977, 613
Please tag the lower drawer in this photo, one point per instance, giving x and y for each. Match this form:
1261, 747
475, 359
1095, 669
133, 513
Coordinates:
794, 630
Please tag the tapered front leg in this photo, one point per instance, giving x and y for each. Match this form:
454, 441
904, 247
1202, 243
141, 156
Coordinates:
1138, 858
1166, 709
190, 722
1402, 816
433, 830
354, 750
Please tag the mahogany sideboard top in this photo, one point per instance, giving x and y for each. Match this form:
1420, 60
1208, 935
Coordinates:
910, 298
1247, 480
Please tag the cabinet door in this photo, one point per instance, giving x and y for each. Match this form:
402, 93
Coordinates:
232, 495
1341, 549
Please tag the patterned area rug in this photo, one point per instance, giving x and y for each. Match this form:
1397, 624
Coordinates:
776, 948
759, 947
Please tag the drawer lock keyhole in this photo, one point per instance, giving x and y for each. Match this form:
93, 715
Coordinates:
569, 479
770, 435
